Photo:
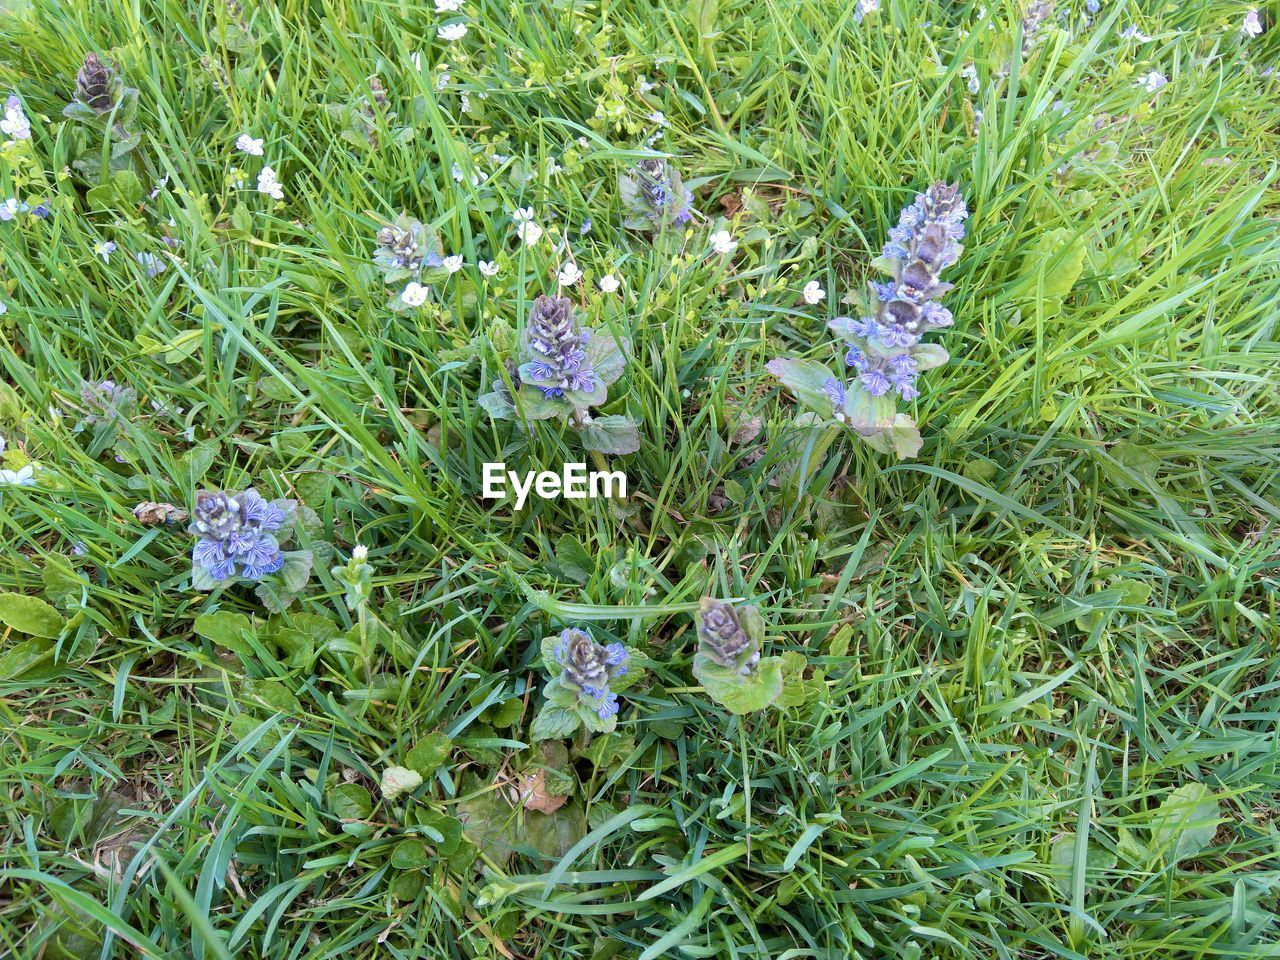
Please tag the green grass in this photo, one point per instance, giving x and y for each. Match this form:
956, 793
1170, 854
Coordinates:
1045, 711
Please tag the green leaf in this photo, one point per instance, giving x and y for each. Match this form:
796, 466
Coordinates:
608, 356
449, 828
547, 651
62, 584
901, 438
1098, 860
226, 629
554, 722
296, 570
611, 434
797, 689
429, 753
929, 355
242, 219
23, 656
555, 835
573, 559
505, 714
410, 854
1139, 462
350, 801
1185, 823
273, 696
1051, 267
594, 722
606, 752
489, 822
738, 693
497, 406
804, 378
868, 415
30, 615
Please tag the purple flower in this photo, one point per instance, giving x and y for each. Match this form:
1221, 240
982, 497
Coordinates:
925, 241
236, 533
879, 374
724, 638
875, 381
556, 345
654, 195
606, 705
15, 123
106, 401
836, 393
589, 667
406, 247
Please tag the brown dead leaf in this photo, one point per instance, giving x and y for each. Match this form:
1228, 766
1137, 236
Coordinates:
152, 514
533, 793
745, 429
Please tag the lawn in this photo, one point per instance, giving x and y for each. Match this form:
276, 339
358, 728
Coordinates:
936, 343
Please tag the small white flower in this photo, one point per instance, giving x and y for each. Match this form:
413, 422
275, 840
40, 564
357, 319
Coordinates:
359, 553
24, 477
450, 32
970, 73
1152, 81
522, 214
15, 123
569, 274
464, 103
1252, 24
267, 183
104, 250
448, 6
3, 308
488, 268
1132, 32
553, 168
3, 444
247, 144
813, 293
722, 242
414, 295
10, 208
609, 283
644, 86
453, 264
659, 118
529, 232
415, 59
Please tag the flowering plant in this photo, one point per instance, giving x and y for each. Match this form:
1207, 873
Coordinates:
728, 662
565, 369
585, 680
654, 196
365, 120
239, 536
104, 108
885, 349
106, 407
408, 253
